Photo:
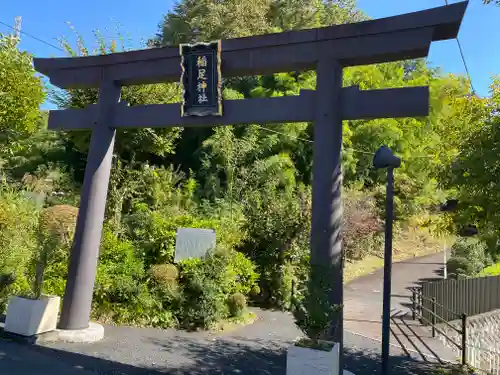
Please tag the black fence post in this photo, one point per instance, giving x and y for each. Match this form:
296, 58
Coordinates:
419, 303
414, 300
433, 317
464, 339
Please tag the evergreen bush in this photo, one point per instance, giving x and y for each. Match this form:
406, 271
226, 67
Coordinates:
237, 304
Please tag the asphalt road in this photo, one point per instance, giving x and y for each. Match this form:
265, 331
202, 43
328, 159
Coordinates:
363, 296
363, 299
259, 348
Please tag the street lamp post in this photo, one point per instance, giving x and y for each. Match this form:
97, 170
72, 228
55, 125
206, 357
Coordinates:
384, 158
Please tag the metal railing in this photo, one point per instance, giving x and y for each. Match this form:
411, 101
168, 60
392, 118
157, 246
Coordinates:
484, 361
418, 307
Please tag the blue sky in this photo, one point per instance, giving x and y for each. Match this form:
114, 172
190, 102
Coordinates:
138, 21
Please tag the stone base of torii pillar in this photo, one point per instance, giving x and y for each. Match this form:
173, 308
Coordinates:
94, 332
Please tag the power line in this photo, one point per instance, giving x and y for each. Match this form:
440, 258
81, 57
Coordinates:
284, 134
465, 66
346, 148
463, 59
32, 36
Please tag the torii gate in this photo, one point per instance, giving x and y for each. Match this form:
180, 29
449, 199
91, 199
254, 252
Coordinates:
327, 50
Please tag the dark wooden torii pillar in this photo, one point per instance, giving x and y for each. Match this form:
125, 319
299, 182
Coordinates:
327, 50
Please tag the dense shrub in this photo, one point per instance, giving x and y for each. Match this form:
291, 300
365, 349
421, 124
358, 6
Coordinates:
201, 296
237, 304
241, 273
120, 292
203, 285
118, 268
168, 298
361, 225
278, 227
227, 219
164, 275
55, 235
59, 221
193, 294
313, 312
469, 257
18, 241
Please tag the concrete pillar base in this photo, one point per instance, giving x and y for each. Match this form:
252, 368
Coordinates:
93, 333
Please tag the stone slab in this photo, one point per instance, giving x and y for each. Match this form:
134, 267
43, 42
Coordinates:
193, 243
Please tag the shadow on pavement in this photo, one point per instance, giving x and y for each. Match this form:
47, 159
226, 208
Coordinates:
219, 357
25, 359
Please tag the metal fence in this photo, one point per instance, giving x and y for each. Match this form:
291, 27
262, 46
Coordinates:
419, 310
484, 361
466, 296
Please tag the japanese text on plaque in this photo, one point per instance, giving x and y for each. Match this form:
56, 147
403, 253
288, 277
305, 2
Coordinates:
201, 79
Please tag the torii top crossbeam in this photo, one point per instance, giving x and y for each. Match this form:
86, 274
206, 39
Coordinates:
381, 40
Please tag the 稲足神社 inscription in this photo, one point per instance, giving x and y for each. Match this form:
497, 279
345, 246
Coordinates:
201, 79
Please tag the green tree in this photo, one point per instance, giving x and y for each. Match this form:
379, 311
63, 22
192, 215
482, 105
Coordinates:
132, 145
21, 94
191, 21
202, 20
426, 145
475, 173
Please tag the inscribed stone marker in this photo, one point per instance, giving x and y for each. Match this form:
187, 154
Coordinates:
193, 243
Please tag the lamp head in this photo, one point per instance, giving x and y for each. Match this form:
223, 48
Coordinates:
384, 158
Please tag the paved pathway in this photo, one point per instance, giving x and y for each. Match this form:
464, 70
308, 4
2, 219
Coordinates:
255, 349
363, 307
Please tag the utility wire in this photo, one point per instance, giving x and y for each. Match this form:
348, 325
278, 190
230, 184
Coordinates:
284, 134
346, 148
465, 66
32, 36
463, 59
